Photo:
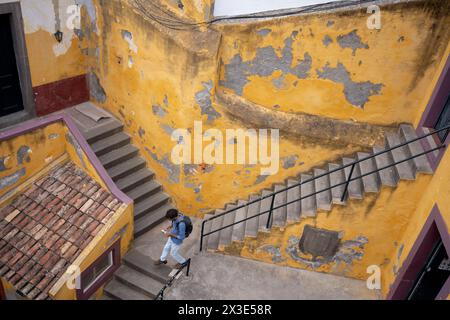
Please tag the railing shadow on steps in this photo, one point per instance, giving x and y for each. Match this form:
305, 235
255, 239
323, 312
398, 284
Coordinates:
187, 266
346, 183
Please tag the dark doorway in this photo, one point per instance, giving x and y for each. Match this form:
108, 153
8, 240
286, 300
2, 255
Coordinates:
2, 291
10, 91
433, 275
16, 92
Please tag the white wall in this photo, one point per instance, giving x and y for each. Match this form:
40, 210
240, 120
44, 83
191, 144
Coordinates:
237, 7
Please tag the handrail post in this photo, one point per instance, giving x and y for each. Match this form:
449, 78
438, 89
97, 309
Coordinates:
188, 268
201, 236
270, 213
344, 195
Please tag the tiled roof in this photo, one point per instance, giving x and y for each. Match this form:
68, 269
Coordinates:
46, 227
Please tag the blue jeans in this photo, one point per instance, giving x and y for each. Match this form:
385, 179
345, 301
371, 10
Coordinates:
172, 248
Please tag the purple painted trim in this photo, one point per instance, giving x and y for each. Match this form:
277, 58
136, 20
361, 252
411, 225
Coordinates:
435, 219
433, 110
93, 159
115, 249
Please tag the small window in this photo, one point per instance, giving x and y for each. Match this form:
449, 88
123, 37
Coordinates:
102, 270
444, 121
101, 267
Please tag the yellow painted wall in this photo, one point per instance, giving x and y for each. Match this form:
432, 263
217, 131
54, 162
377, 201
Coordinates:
369, 231
37, 149
157, 94
403, 57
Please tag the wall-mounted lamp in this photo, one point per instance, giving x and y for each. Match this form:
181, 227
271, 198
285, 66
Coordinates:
58, 36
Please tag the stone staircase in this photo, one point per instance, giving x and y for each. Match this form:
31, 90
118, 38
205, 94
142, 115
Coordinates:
126, 168
324, 201
137, 279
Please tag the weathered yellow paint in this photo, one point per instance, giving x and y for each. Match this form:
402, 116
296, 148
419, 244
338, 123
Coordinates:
379, 219
162, 71
43, 145
45, 66
399, 56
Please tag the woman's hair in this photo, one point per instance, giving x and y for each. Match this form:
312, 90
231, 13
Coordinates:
172, 214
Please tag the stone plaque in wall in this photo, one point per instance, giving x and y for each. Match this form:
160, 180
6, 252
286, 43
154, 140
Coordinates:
319, 242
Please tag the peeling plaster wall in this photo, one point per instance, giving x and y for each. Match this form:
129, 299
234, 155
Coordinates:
24, 156
171, 84
369, 230
330, 64
51, 61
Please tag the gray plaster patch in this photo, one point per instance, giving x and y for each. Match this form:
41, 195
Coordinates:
261, 179
2, 164
71, 139
264, 32
351, 40
167, 129
203, 99
289, 162
327, 41
172, 169
356, 93
400, 251
265, 63
23, 154
190, 169
279, 82
330, 23
141, 132
53, 136
159, 111
348, 252
166, 101
274, 251
12, 179
95, 88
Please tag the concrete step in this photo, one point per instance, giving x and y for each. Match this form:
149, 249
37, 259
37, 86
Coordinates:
308, 204
265, 207
144, 264
135, 179
407, 133
144, 191
239, 229
139, 281
149, 204
323, 199
336, 178
120, 291
102, 131
372, 182
126, 168
406, 170
110, 143
252, 225
117, 156
280, 214
293, 209
226, 234
150, 220
355, 188
213, 239
388, 177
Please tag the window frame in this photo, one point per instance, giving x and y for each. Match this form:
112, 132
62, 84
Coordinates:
23, 67
431, 115
85, 292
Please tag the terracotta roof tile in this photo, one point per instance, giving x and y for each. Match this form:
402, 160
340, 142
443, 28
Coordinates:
45, 228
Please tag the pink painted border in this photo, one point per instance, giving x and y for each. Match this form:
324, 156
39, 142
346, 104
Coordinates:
66, 118
431, 113
436, 218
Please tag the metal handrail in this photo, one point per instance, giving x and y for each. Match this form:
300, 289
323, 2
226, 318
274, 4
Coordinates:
160, 295
346, 183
